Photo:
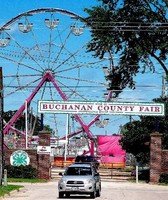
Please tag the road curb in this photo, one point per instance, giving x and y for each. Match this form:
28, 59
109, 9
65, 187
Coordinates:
12, 192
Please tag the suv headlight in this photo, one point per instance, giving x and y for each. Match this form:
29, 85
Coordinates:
90, 181
62, 181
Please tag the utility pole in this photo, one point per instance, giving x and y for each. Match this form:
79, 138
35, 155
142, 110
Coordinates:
1, 127
164, 87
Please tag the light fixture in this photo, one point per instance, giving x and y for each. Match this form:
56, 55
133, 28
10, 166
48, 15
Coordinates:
106, 71
51, 24
105, 95
97, 122
102, 123
105, 121
165, 87
77, 30
25, 28
111, 96
108, 85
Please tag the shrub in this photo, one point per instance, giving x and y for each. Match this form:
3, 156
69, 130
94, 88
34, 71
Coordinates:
21, 172
163, 178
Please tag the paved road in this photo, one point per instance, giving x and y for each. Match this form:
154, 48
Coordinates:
110, 191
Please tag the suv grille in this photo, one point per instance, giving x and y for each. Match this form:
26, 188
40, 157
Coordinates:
75, 182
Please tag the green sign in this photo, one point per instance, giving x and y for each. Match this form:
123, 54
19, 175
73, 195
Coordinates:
19, 158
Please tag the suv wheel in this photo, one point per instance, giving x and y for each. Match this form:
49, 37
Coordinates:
61, 195
98, 192
93, 194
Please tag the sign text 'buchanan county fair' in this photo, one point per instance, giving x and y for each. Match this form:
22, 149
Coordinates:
109, 108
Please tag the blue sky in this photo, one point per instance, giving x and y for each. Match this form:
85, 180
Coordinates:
11, 8
148, 85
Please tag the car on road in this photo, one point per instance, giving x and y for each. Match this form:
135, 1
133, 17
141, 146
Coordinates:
80, 178
87, 159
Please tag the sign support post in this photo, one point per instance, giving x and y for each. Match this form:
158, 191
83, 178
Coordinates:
66, 141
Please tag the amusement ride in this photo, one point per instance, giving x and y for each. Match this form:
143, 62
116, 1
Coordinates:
44, 56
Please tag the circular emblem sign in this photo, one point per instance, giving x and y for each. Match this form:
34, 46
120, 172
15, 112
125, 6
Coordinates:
19, 158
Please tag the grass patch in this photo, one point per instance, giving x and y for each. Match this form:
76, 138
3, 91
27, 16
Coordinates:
163, 184
139, 181
7, 189
26, 180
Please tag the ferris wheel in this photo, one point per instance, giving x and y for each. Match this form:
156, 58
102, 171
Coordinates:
44, 56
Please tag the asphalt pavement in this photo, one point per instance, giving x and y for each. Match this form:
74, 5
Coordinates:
110, 191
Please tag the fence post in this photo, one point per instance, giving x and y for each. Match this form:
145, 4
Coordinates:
137, 171
5, 177
111, 170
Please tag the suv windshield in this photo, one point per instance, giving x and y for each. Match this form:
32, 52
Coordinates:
84, 171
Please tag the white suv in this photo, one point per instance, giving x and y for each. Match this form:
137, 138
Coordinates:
80, 178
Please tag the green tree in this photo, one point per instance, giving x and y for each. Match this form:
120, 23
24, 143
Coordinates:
20, 122
48, 128
136, 134
135, 31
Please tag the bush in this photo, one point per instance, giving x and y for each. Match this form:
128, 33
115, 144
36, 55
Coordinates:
163, 178
21, 172
143, 174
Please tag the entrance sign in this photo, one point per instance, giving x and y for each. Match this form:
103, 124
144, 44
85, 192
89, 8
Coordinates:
43, 149
106, 108
19, 158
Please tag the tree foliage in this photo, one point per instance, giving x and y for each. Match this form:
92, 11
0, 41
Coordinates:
47, 128
136, 134
135, 31
20, 123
